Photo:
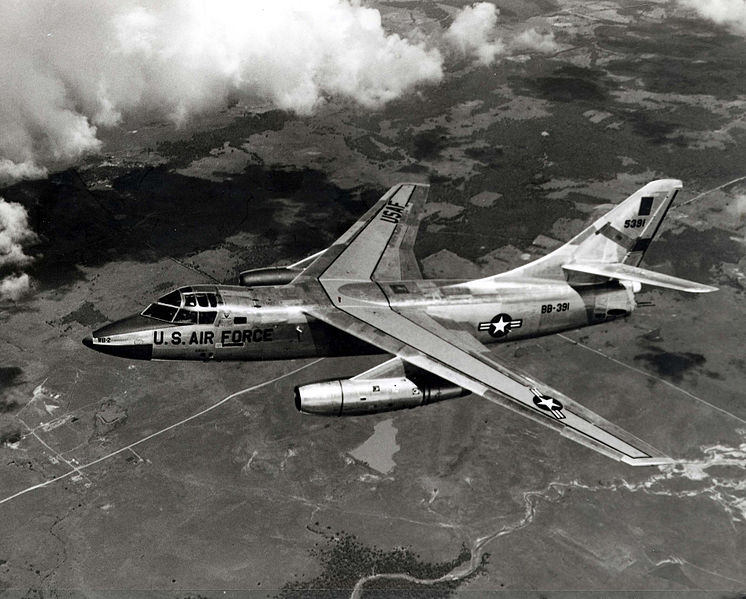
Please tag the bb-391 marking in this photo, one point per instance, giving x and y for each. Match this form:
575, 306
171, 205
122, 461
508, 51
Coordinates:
559, 307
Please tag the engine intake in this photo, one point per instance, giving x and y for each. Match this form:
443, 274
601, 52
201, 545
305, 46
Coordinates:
346, 397
275, 275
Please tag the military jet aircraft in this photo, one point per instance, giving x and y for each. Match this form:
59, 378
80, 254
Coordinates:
365, 294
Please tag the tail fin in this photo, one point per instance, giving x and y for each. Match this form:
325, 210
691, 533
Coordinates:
623, 235
620, 237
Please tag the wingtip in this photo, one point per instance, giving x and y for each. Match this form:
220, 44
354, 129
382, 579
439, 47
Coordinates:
700, 288
661, 460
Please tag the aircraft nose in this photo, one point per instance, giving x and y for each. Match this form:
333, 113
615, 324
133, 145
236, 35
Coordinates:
131, 324
127, 338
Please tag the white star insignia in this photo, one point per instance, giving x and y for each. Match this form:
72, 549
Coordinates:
547, 402
500, 325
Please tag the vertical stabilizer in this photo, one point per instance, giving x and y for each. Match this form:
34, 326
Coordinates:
621, 236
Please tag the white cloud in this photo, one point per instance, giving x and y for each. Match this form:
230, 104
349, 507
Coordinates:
532, 40
14, 287
723, 12
67, 68
14, 234
474, 33
13, 171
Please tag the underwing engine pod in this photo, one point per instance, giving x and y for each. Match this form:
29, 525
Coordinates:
347, 397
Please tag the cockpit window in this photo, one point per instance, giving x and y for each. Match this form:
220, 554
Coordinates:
172, 299
186, 317
185, 304
207, 317
160, 312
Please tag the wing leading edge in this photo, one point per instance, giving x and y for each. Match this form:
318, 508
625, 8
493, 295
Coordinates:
360, 256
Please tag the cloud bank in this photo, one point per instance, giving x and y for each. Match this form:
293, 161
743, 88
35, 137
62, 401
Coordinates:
67, 68
731, 13
15, 234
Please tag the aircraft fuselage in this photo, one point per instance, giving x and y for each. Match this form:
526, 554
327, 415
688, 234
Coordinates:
269, 322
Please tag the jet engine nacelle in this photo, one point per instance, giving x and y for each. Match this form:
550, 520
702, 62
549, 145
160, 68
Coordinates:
346, 397
275, 275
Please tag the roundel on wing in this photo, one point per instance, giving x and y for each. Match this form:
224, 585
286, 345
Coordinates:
548, 403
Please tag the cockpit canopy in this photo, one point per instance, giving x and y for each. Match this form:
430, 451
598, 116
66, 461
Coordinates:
186, 305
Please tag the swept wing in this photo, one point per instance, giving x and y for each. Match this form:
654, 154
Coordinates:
376, 249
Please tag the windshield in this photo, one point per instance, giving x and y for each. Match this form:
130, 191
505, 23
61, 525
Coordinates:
172, 299
160, 312
186, 306
185, 316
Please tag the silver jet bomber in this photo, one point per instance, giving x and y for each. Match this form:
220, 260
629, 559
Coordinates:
365, 294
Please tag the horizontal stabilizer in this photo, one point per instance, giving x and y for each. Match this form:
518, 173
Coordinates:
626, 272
